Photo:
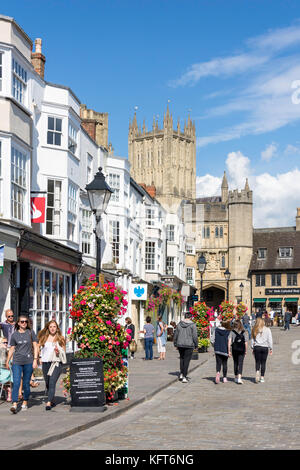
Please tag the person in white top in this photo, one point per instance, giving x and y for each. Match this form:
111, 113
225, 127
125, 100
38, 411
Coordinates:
262, 344
53, 347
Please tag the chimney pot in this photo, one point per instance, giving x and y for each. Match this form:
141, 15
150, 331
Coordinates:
38, 45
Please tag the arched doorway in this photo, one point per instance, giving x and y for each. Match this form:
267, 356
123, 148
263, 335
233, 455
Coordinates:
213, 296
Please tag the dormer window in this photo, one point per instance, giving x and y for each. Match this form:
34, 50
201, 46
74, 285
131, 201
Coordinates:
285, 252
262, 253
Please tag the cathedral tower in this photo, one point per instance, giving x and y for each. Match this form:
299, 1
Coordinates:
164, 158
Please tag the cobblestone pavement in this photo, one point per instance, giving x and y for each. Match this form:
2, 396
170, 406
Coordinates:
203, 415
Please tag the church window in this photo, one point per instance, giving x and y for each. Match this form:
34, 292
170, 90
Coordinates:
170, 233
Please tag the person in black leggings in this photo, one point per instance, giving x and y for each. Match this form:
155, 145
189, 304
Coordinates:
239, 349
220, 340
262, 344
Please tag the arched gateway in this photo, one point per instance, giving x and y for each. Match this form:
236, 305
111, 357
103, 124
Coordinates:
213, 295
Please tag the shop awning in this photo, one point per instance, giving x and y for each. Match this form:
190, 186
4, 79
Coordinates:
259, 301
278, 299
291, 299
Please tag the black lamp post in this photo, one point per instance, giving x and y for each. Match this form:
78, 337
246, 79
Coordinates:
241, 289
99, 195
201, 268
227, 275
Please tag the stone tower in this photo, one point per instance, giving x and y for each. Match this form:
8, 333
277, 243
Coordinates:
164, 158
240, 241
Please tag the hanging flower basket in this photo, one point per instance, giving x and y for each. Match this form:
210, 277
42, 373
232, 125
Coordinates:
227, 310
241, 309
165, 295
95, 310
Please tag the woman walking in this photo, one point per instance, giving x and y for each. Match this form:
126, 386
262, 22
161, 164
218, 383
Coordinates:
262, 344
24, 350
238, 343
161, 338
220, 339
53, 355
149, 339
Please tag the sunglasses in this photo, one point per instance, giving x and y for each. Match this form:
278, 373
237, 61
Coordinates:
10, 316
23, 321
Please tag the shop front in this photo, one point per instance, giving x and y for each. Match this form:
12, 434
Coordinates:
9, 237
48, 273
291, 304
259, 304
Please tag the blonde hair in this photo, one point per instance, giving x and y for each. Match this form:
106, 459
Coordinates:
45, 332
258, 327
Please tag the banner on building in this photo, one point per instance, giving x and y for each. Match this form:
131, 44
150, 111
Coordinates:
38, 209
139, 292
1, 258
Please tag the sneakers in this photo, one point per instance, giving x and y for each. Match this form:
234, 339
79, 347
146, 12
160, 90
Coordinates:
217, 379
13, 409
239, 381
184, 380
262, 379
257, 377
236, 380
180, 377
225, 380
24, 407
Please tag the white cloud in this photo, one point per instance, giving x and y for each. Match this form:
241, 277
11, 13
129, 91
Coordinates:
219, 66
291, 150
275, 198
208, 185
269, 152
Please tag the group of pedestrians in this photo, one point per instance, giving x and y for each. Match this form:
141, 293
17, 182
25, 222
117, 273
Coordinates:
230, 340
24, 350
150, 339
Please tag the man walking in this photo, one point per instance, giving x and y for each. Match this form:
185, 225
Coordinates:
287, 319
8, 327
186, 340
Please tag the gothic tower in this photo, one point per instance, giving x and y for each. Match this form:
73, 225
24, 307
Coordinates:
240, 241
164, 158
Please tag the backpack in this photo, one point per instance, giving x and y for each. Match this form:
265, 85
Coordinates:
238, 344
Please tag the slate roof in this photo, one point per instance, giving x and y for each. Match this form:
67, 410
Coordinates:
272, 239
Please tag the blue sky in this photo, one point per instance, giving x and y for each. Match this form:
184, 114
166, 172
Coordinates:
231, 63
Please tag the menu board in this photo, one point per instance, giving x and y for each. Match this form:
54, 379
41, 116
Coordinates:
87, 382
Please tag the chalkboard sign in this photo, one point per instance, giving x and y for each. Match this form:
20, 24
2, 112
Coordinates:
87, 383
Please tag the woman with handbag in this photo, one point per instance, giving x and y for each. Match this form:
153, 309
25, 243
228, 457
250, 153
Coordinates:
132, 344
24, 350
53, 355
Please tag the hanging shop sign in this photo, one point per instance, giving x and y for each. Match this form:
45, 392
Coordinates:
139, 292
279, 291
38, 210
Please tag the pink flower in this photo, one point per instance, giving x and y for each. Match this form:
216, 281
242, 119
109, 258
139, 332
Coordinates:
102, 338
117, 299
82, 302
118, 327
128, 331
92, 277
108, 322
124, 302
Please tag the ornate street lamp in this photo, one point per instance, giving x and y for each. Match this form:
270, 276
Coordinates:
99, 195
201, 268
227, 275
241, 289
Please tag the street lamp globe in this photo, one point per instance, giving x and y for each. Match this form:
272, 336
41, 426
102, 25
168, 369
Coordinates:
241, 287
99, 193
227, 274
201, 263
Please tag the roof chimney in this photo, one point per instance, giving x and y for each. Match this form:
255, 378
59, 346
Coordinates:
38, 59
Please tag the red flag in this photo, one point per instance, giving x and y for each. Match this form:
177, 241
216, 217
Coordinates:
38, 205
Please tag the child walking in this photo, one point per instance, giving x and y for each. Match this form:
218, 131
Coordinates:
220, 339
